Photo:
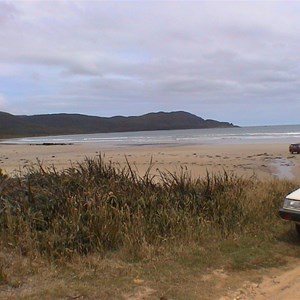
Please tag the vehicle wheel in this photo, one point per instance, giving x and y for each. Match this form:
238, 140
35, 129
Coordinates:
297, 228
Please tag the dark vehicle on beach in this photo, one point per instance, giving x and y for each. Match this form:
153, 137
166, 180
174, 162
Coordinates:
294, 148
291, 209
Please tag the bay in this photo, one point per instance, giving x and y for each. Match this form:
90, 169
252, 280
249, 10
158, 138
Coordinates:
237, 135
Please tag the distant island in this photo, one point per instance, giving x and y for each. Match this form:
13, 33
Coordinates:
62, 124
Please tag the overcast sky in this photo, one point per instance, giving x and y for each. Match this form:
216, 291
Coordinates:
233, 61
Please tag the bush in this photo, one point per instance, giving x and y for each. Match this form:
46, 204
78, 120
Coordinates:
95, 207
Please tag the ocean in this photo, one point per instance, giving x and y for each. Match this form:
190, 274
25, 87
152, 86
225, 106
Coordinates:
241, 135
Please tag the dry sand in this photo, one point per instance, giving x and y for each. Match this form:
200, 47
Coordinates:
263, 160
277, 284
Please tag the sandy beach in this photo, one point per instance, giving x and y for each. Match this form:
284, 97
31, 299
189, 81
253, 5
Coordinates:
265, 161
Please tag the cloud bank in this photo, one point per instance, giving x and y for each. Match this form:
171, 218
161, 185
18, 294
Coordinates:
232, 61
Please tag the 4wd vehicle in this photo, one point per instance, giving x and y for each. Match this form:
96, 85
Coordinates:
291, 209
294, 148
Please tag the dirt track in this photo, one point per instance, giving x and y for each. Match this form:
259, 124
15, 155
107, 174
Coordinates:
282, 285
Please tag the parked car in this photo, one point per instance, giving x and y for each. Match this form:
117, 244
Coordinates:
291, 209
294, 148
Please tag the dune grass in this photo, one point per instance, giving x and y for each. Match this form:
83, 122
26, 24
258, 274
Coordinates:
95, 208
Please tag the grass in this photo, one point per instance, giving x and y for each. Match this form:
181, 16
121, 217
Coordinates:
103, 229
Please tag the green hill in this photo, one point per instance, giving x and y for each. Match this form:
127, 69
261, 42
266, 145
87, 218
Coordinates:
59, 124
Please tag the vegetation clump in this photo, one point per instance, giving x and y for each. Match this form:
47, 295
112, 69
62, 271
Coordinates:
97, 207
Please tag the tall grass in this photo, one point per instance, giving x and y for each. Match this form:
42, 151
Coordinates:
96, 207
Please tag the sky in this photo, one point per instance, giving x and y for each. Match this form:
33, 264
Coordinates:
234, 61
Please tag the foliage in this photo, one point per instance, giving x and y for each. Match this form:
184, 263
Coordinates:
96, 207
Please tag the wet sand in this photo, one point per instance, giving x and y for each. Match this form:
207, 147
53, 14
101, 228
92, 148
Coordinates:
265, 161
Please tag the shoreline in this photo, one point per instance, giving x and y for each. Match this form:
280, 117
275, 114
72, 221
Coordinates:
266, 161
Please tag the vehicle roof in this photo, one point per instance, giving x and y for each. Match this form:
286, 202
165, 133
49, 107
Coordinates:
294, 195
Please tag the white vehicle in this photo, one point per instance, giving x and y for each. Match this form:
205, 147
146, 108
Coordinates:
291, 209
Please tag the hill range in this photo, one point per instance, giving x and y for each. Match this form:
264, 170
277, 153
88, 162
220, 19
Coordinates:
61, 124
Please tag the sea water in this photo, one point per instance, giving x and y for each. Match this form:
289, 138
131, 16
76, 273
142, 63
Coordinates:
236, 135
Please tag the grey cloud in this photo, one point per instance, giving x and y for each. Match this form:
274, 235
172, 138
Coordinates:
7, 12
109, 57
